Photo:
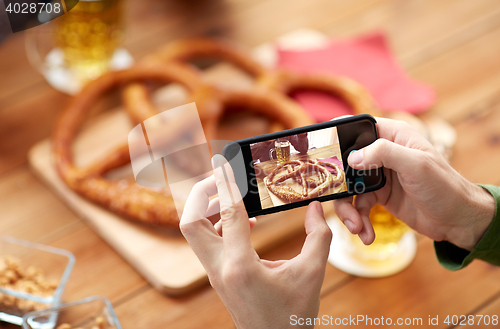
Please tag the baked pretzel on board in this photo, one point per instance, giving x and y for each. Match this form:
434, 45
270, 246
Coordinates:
129, 199
301, 172
267, 98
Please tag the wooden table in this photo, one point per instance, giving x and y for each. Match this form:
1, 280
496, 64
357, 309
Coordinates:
453, 45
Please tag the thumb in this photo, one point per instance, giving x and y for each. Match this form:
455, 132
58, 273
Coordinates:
319, 236
384, 153
234, 218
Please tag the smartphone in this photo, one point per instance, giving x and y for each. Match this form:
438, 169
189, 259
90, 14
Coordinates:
291, 168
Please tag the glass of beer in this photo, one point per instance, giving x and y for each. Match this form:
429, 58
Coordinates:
88, 35
388, 233
392, 251
282, 149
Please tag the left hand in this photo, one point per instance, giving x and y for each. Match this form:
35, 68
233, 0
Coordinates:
258, 293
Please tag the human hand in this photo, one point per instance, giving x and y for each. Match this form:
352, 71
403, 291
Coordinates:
258, 293
422, 190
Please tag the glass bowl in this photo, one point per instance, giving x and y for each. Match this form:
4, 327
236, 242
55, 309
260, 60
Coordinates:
89, 313
32, 277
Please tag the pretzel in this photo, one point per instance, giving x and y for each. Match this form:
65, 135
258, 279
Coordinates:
136, 97
213, 103
298, 170
355, 95
268, 97
183, 51
129, 199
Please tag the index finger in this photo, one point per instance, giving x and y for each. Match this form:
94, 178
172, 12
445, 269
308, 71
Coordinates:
234, 218
397, 131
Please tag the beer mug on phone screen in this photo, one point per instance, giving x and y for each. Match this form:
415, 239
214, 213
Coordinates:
282, 149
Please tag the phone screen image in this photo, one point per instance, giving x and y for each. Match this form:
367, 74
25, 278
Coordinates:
289, 169
298, 167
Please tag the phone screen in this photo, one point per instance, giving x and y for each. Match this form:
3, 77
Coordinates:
291, 168
298, 167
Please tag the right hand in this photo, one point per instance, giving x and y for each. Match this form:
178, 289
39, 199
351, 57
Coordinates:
422, 190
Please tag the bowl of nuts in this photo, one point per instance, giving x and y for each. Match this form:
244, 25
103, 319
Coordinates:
32, 277
90, 313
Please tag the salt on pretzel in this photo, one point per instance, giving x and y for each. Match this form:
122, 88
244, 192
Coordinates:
129, 199
299, 170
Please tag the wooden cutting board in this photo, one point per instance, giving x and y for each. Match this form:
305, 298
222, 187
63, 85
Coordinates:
166, 261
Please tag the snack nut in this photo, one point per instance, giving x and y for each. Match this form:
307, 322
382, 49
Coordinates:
98, 324
30, 280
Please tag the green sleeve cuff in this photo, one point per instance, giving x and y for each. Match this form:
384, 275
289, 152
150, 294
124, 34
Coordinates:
487, 249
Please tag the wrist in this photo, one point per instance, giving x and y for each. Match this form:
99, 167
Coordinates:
476, 219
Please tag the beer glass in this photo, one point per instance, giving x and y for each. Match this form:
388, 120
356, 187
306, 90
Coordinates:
392, 251
88, 35
388, 233
79, 45
282, 149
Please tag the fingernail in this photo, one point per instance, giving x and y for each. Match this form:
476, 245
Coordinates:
349, 225
356, 157
363, 236
218, 161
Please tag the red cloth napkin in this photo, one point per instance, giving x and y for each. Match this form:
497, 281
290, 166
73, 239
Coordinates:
369, 61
